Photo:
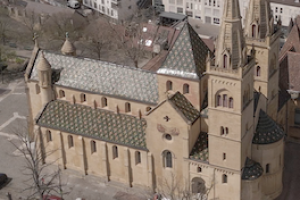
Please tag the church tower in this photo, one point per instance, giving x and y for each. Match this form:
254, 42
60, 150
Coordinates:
262, 38
44, 75
230, 104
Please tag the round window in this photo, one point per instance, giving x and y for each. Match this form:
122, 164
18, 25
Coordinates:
168, 137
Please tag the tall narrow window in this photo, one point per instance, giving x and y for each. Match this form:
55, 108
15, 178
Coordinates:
253, 30
104, 102
224, 156
83, 97
168, 159
199, 169
225, 61
224, 178
138, 159
186, 88
230, 102
93, 146
70, 141
62, 94
258, 71
169, 85
222, 130
115, 152
226, 130
267, 168
219, 100
49, 136
127, 107
224, 100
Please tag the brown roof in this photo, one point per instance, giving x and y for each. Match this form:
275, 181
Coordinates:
292, 43
294, 70
154, 64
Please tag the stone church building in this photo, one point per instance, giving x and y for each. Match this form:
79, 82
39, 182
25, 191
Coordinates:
204, 121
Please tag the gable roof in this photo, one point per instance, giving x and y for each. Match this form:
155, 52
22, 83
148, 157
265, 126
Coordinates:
292, 42
102, 77
187, 57
185, 108
96, 123
267, 131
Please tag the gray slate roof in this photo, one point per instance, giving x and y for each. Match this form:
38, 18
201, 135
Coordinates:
252, 170
97, 123
102, 77
187, 57
267, 131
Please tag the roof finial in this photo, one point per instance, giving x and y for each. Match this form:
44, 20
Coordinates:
35, 36
67, 35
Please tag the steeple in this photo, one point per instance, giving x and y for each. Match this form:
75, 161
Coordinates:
259, 20
68, 48
230, 43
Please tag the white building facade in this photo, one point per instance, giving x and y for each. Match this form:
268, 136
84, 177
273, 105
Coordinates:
116, 9
210, 11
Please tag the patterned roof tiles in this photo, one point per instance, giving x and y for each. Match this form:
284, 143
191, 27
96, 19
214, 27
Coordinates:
267, 131
252, 170
102, 77
187, 57
102, 124
185, 107
200, 149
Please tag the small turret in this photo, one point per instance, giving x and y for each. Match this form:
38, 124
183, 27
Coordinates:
68, 48
44, 74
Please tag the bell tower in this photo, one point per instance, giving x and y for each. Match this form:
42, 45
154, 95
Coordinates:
44, 74
262, 38
230, 102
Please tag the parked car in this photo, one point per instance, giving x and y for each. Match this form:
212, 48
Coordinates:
51, 197
73, 4
3, 179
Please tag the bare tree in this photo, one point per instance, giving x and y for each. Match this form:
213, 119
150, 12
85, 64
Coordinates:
4, 25
32, 24
42, 178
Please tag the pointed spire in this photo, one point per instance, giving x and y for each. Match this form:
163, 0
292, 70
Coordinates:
43, 64
258, 19
68, 48
230, 42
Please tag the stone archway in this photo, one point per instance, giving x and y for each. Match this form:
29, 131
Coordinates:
198, 185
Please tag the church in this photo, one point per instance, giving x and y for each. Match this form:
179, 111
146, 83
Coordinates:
204, 123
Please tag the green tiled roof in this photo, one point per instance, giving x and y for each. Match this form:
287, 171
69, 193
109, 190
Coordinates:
188, 56
185, 107
267, 131
252, 170
98, 123
200, 149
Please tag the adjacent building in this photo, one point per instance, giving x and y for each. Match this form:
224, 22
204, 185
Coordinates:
204, 122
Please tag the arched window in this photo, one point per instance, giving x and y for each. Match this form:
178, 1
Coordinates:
148, 109
267, 168
169, 85
115, 152
138, 159
104, 102
93, 146
62, 94
199, 169
83, 98
49, 136
198, 186
253, 30
70, 141
186, 88
224, 178
225, 61
226, 130
219, 100
222, 130
230, 102
258, 71
225, 100
168, 159
127, 107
